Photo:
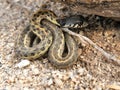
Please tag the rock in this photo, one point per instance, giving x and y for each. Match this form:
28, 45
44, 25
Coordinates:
36, 71
50, 81
58, 82
23, 64
81, 71
105, 8
26, 88
12, 79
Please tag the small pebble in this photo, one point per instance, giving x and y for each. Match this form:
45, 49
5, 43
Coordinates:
26, 88
58, 82
50, 82
12, 79
36, 71
81, 71
65, 77
23, 64
47, 88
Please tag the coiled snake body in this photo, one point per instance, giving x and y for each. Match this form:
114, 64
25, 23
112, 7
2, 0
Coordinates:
44, 33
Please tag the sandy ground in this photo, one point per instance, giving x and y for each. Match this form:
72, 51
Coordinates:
90, 72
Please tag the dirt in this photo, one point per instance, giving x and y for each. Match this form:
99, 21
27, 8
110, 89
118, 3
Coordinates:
92, 71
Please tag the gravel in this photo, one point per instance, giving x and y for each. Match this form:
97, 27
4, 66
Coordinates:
90, 72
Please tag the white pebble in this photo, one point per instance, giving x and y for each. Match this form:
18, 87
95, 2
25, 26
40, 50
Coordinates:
47, 88
81, 71
12, 79
26, 88
23, 63
58, 82
50, 82
36, 71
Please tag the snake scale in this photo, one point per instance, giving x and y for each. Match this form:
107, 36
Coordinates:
44, 34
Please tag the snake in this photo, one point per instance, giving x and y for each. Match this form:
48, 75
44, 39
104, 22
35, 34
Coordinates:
44, 34
73, 21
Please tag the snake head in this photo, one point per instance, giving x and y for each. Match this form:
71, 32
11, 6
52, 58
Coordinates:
76, 21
